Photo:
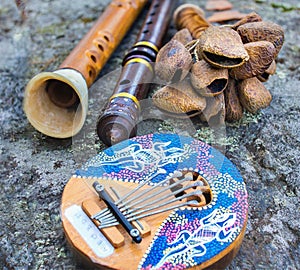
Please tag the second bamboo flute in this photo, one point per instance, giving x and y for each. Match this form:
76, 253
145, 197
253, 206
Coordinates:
118, 122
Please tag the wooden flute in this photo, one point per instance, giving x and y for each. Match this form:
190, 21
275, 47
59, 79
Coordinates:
118, 122
56, 102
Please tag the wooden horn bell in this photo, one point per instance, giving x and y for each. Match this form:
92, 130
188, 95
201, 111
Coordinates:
56, 103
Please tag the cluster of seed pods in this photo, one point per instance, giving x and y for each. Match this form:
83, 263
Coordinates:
217, 71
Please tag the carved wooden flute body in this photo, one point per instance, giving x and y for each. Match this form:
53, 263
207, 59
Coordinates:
118, 122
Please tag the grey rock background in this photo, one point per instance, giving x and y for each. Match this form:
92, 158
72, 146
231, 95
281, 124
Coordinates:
35, 168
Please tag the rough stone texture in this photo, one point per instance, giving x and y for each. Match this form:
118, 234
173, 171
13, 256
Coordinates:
34, 168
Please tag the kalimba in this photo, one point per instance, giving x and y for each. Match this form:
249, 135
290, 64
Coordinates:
158, 201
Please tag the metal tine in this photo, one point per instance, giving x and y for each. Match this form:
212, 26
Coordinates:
106, 225
140, 224
107, 220
132, 214
143, 192
150, 196
137, 188
115, 192
158, 211
102, 213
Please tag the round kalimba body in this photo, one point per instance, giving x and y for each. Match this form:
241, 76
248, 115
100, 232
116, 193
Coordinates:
187, 201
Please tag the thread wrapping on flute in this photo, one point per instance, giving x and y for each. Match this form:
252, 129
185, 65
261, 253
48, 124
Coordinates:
121, 114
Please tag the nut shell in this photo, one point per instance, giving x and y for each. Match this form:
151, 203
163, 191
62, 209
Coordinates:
269, 71
173, 62
261, 55
207, 80
184, 36
179, 99
253, 95
251, 17
222, 47
214, 110
257, 31
234, 109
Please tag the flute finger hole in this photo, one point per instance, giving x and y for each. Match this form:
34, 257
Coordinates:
124, 82
94, 59
100, 47
106, 38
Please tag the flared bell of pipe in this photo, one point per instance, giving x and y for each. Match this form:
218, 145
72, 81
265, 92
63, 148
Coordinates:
56, 102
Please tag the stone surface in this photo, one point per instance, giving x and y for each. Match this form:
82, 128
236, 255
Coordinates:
34, 168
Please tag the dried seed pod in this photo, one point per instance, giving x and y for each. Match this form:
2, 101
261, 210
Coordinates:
222, 47
207, 80
257, 31
215, 108
233, 107
219, 119
261, 54
173, 62
269, 71
192, 45
253, 95
184, 36
191, 17
212, 5
225, 15
251, 17
179, 99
